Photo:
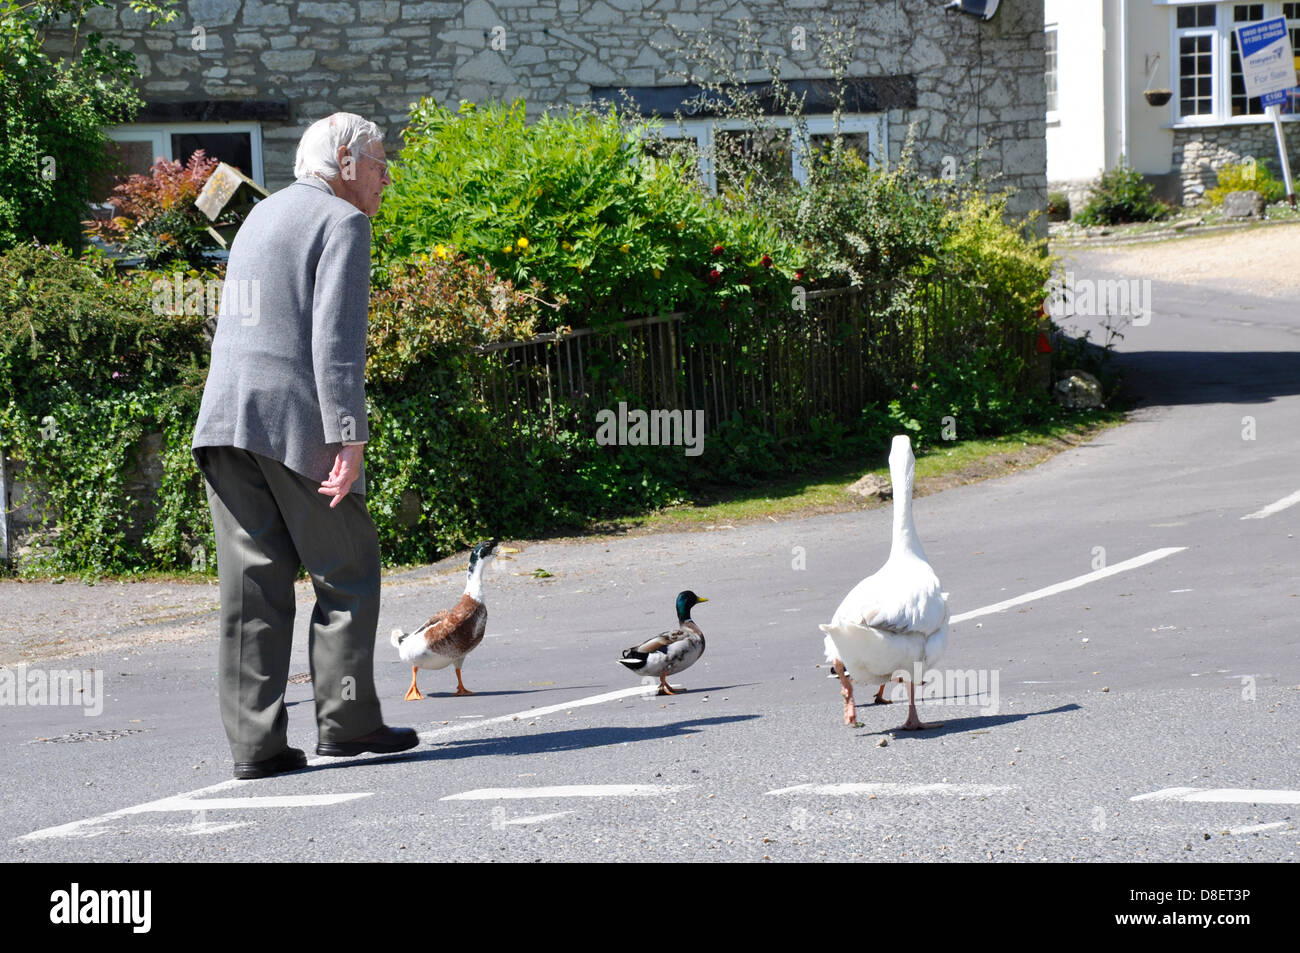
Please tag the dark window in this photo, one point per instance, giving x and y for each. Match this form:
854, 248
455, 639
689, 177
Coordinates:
1201, 14
232, 148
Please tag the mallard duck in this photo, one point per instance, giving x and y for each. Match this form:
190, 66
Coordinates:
452, 633
895, 621
669, 652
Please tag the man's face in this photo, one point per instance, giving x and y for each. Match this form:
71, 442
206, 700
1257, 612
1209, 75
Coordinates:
365, 173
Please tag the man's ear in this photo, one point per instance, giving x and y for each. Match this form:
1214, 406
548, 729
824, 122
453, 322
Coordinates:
347, 164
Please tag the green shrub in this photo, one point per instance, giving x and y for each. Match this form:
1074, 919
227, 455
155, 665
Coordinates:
52, 143
1121, 195
1058, 206
1247, 176
575, 201
88, 367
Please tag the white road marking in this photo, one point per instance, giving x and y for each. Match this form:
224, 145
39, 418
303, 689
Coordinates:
1068, 584
534, 818
1256, 828
567, 790
427, 736
1222, 796
888, 789
189, 802
1278, 507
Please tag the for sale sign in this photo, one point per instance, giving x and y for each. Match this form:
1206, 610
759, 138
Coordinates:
1267, 61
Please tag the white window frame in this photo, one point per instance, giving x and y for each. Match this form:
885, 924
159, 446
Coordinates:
703, 130
1053, 29
160, 134
1221, 53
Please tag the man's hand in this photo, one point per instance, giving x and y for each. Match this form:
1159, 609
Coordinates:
347, 467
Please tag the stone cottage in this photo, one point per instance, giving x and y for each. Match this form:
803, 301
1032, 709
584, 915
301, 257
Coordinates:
243, 78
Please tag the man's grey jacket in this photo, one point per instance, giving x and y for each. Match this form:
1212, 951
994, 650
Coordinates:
287, 378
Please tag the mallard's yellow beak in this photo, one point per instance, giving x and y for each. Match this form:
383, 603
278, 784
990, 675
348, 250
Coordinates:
700, 599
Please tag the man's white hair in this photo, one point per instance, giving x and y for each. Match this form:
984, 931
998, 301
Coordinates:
318, 149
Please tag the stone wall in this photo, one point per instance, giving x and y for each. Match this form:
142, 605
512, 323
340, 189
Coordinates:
976, 82
1200, 153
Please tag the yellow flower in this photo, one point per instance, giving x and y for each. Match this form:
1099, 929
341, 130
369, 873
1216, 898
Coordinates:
625, 248
680, 225
522, 243
566, 246
507, 248
440, 251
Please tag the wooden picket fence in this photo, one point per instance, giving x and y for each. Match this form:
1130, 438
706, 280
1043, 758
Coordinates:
842, 350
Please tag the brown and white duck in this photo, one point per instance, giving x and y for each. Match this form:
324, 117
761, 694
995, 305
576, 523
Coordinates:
452, 633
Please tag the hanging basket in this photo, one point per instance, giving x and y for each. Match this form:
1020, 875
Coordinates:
1158, 97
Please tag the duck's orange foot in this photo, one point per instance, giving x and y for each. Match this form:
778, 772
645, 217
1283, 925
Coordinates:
413, 695
462, 690
665, 690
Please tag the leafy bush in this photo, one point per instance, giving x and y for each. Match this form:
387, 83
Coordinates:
1058, 206
1121, 195
575, 201
156, 218
1247, 176
87, 369
51, 138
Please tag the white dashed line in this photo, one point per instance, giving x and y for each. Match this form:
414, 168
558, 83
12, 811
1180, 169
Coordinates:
567, 790
1278, 507
1074, 583
1222, 796
888, 789
1257, 828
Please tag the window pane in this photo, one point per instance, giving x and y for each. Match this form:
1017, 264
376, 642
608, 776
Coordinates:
742, 150
1186, 17
232, 148
1291, 11
121, 159
1205, 15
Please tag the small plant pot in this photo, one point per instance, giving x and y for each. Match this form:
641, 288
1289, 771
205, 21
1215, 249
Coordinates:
1158, 97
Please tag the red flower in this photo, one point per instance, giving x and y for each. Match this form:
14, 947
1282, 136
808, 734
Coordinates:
798, 275
717, 249
714, 275
767, 261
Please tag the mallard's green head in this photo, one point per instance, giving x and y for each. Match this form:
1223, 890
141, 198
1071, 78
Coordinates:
686, 600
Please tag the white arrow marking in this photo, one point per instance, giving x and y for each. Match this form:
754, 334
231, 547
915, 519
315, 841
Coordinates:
187, 802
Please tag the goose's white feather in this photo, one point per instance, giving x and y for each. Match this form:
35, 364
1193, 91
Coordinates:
898, 616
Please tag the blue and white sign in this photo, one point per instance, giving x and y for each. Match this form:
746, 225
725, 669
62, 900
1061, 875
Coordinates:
1267, 63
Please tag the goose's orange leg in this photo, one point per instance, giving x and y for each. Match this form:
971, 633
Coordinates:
663, 687
460, 686
846, 691
413, 693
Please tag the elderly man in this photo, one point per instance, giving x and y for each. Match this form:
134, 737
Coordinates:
280, 437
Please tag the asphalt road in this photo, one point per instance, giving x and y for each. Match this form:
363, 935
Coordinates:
1149, 714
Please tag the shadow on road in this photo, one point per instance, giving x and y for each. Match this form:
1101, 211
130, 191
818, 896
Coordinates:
1209, 377
575, 739
954, 726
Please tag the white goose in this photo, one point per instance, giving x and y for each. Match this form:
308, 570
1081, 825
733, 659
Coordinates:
894, 622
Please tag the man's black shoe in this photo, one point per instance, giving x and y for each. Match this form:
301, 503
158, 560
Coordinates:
290, 759
383, 740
